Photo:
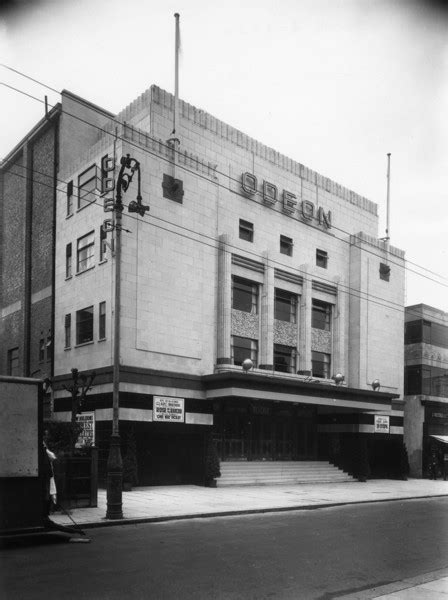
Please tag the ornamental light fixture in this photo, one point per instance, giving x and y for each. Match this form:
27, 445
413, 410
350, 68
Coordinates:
338, 378
376, 385
247, 365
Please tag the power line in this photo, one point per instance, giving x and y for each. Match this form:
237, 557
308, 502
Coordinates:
159, 157
225, 175
367, 296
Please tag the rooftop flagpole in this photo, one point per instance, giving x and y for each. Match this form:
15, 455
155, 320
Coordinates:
176, 76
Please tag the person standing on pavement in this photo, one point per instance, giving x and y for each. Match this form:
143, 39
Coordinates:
50, 484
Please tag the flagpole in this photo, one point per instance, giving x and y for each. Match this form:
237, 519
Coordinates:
176, 76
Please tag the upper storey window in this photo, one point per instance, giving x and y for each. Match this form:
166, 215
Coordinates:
285, 306
321, 315
85, 252
87, 186
246, 231
286, 245
321, 258
245, 295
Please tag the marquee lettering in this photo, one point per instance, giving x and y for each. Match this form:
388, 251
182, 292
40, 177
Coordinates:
269, 192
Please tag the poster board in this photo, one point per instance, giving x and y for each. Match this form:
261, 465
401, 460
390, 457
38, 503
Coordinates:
168, 410
382, 424
86, 438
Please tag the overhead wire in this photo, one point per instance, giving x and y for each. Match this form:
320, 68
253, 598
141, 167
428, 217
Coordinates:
225, 175
183, 167
214, 244
131, 143
384, 303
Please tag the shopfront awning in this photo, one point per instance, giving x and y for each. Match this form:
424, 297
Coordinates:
440, 438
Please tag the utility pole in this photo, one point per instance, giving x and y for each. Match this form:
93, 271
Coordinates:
128, 166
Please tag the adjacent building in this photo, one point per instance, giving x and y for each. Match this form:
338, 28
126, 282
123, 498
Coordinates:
243, 254
426, 384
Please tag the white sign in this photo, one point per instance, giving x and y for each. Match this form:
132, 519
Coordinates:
381, 424
87, 434
168, 409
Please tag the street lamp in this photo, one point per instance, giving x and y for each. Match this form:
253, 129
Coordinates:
128, 166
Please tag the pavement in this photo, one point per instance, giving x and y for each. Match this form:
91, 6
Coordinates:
168, 503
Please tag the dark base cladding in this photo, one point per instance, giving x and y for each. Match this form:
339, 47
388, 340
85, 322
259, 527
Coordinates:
166, 453
383, 453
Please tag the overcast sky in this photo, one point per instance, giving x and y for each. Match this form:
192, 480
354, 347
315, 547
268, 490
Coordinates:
333, 84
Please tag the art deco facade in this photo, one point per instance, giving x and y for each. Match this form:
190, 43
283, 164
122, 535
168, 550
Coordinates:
244, 254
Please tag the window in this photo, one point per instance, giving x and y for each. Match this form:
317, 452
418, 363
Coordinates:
246, 231
12, 367
41, 350
87, 185
286, 245
243, 348
85, 252
84, 325
321, 315
384, 272
245, 295
321, 258
285, 358
320, 364
68, 261
102, 321
68, 331
103, 245
69, 198
285, 306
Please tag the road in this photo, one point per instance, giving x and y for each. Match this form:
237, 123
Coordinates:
311, 554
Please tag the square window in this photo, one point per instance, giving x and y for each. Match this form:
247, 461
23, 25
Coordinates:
321, 315
285, 358
243, 348
68, 261
286, 245
68, 330
102, 321
245, 295
320, 364
87, 186
321, 259
85, 252
384, 272
84, 325
12, 367
246, 231
285, 306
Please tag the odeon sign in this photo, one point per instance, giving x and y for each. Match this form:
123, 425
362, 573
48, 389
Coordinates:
290, 204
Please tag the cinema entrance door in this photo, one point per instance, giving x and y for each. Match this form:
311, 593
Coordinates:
252, 430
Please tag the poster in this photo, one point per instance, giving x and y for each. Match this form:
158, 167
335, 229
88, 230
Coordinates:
168, 409
87, 436
382, 424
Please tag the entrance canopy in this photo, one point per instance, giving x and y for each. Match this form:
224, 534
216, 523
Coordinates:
440, 438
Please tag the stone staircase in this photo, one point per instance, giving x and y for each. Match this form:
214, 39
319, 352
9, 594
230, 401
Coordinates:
278, 473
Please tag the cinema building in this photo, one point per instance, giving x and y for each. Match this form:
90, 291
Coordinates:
257, 303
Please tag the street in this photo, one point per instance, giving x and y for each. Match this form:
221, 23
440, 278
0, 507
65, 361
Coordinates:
310, 554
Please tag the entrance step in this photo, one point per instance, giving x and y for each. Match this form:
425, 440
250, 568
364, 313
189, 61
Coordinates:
279, 472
